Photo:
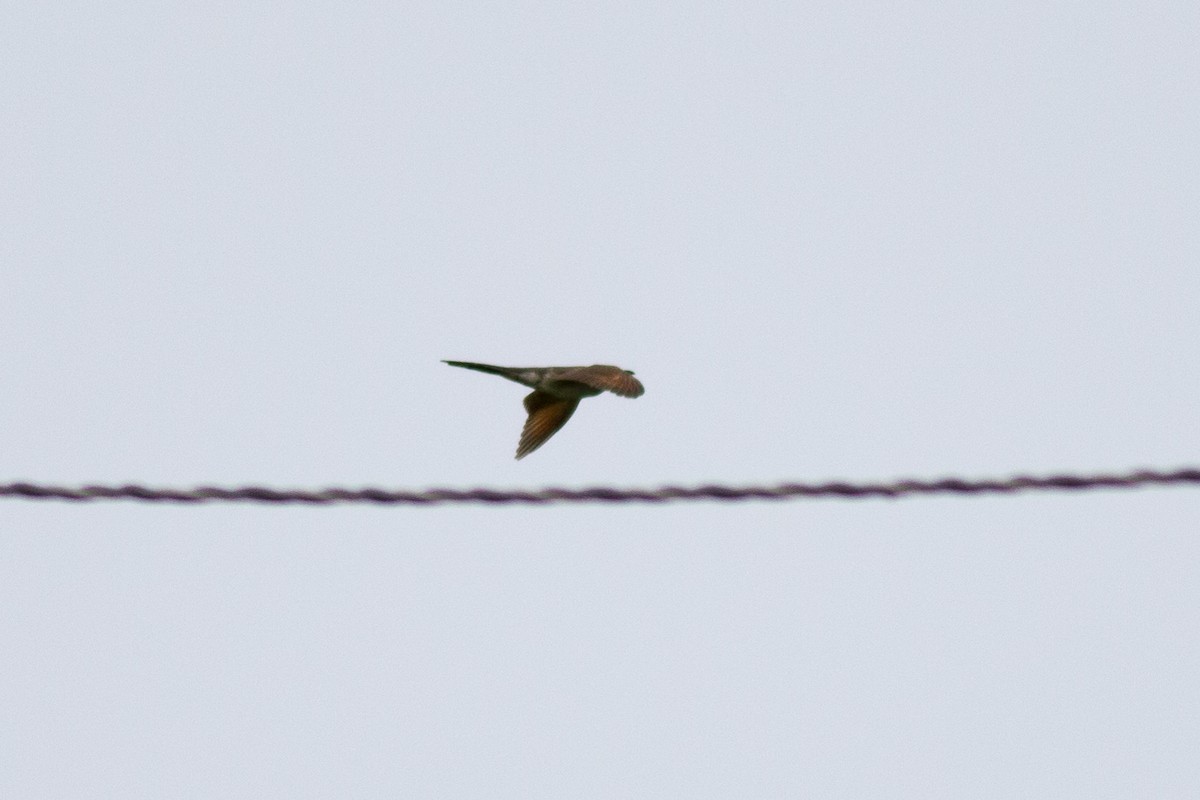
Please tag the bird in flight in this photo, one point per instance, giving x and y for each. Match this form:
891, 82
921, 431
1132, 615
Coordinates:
556, 393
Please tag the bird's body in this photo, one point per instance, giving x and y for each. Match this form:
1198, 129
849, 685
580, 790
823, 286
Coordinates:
556, 394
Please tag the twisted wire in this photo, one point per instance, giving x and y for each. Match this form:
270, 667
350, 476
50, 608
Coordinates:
604, 494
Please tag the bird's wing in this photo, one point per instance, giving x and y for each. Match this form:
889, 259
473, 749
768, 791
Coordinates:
547, 414
606, 379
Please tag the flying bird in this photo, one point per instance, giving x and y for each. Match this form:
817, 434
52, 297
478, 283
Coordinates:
556, 393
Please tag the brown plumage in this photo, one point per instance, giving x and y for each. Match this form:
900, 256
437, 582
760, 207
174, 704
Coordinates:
556, 394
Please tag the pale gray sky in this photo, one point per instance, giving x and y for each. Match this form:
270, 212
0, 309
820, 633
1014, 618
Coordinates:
835, 240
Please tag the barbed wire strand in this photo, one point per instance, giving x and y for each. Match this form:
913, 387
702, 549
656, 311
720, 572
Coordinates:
604, 494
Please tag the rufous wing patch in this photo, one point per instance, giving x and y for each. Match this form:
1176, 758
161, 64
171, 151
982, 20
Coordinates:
547, 414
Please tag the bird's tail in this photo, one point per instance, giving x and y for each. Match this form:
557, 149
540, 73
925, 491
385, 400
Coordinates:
488, 368
512, 373
526, 376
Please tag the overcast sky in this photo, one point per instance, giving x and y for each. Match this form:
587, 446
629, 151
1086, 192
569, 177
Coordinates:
834, 240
